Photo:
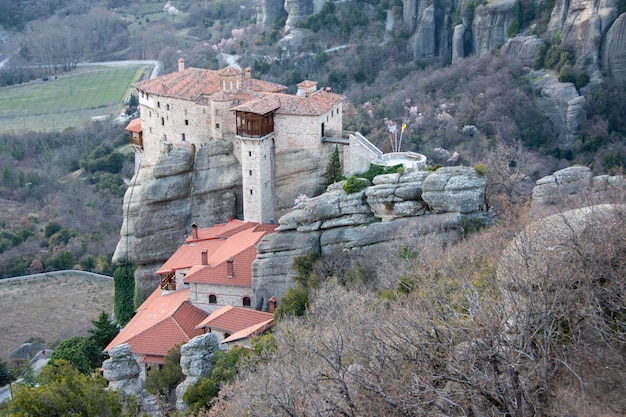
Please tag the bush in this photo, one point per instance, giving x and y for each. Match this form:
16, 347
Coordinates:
82, 352
481, 169
162, 381
354, 185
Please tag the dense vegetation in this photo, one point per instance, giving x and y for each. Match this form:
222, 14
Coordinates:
61, 195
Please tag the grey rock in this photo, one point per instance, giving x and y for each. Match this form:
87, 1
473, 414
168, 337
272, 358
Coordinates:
581, 24
26, 351
122, 371
489, 27
454, 190
522, 49
614, 49
458, 42
269, 11
177, 161
196, 362
423, 41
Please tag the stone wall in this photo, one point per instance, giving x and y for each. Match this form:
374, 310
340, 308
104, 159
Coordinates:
226, 296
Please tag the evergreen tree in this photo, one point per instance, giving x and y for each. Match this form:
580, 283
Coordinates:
28, 374
124, 282
5, 373
105, 330
333, 170
80, 351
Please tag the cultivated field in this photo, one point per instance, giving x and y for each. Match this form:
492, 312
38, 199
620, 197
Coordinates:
53, 308
67, 99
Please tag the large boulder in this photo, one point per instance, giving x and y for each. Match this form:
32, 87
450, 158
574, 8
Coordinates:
122, 371
454, 190
196, 362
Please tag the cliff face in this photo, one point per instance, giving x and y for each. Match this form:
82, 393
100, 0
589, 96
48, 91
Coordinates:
163, 200
396, 209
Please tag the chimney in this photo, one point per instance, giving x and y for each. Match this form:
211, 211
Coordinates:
229, 268
205, 260
248, 72
328, 89
181, 65
194, 231
272, 304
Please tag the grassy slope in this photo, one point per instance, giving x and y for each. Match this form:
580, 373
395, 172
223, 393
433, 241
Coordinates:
52, 308
70, 100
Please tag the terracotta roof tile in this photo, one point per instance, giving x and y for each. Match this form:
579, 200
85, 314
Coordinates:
162, 322
221, 242
197, 84
314, 104
230, 319
134, 125
254, 330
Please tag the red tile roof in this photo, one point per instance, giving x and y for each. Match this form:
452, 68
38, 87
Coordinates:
134, 126
230, 319
193, 83
162, 322
254, 330
315, 104
222, 242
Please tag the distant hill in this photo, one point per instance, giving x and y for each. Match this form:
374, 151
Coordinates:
51, 306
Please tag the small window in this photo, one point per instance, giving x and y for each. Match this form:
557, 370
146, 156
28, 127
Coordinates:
186, 122
150, 114
217, 125
249, 153
150, 130
246, 301
167, 106
212, 299
183, 137
162, 121
250, 192
158, 104
250, 172
143, 95
226, 335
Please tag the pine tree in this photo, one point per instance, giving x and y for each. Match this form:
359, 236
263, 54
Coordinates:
333, 170
105, 330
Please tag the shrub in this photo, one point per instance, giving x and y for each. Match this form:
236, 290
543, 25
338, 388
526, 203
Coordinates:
162, 381
354, 185
124, 283
481, 169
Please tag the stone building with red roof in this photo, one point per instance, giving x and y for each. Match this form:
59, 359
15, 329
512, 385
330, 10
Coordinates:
193, 106
205, 284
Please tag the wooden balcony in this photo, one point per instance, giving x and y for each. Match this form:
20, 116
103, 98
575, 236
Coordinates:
254, 125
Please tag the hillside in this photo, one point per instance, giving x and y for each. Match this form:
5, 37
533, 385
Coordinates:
51, 307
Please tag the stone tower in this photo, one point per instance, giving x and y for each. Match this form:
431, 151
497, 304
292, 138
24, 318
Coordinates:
258, 178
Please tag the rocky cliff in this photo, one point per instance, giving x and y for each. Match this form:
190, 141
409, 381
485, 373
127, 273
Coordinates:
203, 187
395, 209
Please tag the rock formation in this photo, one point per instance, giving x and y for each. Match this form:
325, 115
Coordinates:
614, 49
163, 199
122, 371
196, 361
562, 104
581, 25
522, 49
576, 186
396, 208
490, 24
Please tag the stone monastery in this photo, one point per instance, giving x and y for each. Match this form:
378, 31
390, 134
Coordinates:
193, 106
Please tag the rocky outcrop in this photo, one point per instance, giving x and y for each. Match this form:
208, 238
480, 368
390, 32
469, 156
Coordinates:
162, 200
395, 209
122, 371
522, 49
576, 186
562, 104
196, 361
614, 49
298, 10
269, 11
490, 24
581, 25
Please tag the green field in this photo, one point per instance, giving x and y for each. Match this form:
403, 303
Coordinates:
67, 99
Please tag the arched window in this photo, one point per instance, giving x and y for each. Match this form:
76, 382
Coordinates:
246, 301
212, 299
